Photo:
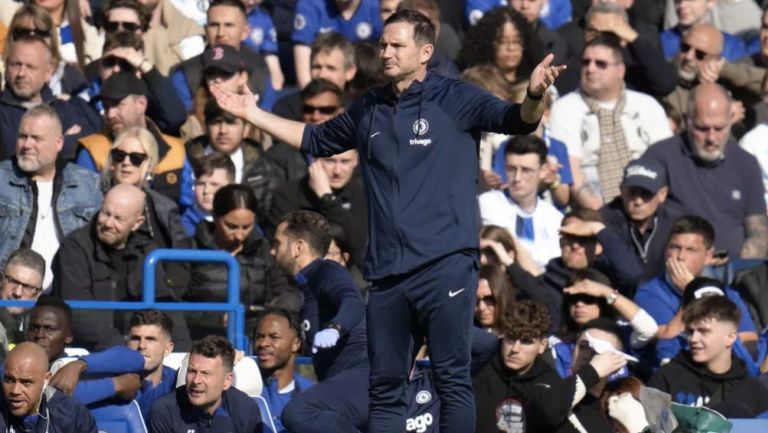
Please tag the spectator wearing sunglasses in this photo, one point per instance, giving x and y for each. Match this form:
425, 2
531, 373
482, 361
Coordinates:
44, 197
79, 41
494, 295
332, 187
33, 21
125, 105
22, 280
124, 51
604, 125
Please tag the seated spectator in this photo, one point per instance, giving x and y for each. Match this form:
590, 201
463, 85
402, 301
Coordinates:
234, 229
690, 13
228, 135
79, 41
125, 106
750, 284
640, 217
212, 172
729, 188
132, 160
38, 184
355, 21
22, 280
340, 251
534, 222
172, 37
125, 51
33, 20
689, 249
25, 89
494, 296
505, 39
30, 405
551, 41
263, 38
104, 261
604, 125
208, 398
709, 374
225, 25
278, 342
447, 42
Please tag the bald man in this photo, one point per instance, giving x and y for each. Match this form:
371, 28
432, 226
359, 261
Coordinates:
29, 405
103, 261
709, 175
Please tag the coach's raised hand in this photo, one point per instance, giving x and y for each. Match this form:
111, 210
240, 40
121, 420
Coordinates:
242, 105
543, 76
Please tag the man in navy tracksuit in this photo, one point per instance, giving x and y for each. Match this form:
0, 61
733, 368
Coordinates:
417, 139
333, 320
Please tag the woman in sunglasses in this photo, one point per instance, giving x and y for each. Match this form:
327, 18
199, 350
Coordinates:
589, 297
494, 295
32, 21
234, 229
132, 160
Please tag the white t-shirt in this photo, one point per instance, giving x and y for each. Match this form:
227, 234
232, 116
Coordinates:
45, 241
756, 142
497, 209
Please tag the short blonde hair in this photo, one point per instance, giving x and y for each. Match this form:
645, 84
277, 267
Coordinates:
147, 141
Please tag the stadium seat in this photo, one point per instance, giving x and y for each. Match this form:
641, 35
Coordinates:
266, 415
749, 425
119, 418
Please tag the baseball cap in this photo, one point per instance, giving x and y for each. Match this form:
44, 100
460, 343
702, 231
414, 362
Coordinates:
644, 173
122, 84
701, 287
223, 57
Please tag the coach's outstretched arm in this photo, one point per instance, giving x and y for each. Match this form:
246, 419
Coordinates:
541, 78
244, 106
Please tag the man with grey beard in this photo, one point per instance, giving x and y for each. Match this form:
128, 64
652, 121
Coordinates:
709, 175
43, 197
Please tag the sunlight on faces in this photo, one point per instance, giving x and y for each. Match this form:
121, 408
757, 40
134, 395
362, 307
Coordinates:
123, 114
704, 38
401, 57
641, 204
520, 353
508, 48
207, 185
206, 380
690, 12
120, 215
485, 308
524, 174
24, 378
226, 25
710, 125
282, 250
329, 65
597, 82
124, 15
710, 339
48, 328
226, 133
12, 290
233, 228
38, 143
276, 342
125, 171
340, 168
583, 353
28, 68
577, 252
153, 344
582, 309
691, 250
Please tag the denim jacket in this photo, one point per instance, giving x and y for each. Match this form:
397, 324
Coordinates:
77, 198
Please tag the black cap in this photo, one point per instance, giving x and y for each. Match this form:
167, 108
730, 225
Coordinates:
213, 112
644, 173
122, 84
223, 57
702, 286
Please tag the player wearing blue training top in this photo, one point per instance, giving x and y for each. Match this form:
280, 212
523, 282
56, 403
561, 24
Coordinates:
333, 320
417, 138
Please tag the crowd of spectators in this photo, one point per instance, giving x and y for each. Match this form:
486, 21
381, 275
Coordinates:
604, 233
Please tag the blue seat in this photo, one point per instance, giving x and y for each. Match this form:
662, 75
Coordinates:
119, 418
749, 425
266, 415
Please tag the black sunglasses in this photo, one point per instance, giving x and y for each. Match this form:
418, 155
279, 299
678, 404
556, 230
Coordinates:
115, 26
601, 64
324, 109
21, 32
583, 298
136, 158
487, 300
110, 62
700, 55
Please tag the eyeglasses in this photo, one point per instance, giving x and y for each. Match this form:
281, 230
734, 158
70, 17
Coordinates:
115, 26
700, 55
136, 158
601, 64
110, 62
27, 288
487, 300
581, 240
323, 109
21, 32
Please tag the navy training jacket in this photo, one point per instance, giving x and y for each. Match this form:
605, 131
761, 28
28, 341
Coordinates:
420, 166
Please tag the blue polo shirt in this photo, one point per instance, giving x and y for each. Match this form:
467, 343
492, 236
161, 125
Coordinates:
734, 48
263, 36
554, 14
661, 300
724, 192
321, 16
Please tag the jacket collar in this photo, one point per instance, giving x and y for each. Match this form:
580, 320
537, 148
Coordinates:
10, 98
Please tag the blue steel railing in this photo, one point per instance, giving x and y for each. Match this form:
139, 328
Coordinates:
235, 310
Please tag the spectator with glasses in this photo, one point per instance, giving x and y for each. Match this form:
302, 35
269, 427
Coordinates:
494, 296
22, 280
124, 51
693, 12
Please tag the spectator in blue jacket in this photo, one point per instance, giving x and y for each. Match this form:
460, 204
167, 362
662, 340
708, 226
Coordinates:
28, 68
30, 405
690, 13
212, 172
333, 319
278, 342
208, 403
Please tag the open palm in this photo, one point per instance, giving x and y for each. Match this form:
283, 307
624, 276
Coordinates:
239, 105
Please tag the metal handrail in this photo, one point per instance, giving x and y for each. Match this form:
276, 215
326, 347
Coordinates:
236, 320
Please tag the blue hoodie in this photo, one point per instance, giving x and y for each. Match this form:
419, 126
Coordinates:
420, 166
